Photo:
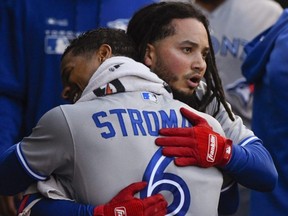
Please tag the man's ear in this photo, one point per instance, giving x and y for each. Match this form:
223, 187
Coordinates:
104, 52
65, 92
150, 56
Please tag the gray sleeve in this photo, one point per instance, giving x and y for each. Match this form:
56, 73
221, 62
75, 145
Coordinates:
234, 130
49, 149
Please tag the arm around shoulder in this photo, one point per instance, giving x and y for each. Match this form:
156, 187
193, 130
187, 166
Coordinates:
252, 166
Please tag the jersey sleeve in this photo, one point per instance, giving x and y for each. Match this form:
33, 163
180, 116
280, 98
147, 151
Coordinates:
49, 148
249, 156
50, 207
253, 160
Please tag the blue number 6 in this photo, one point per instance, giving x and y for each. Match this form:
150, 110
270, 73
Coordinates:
160, 181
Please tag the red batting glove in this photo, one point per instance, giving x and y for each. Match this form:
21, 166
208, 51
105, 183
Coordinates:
198, 145
125, 204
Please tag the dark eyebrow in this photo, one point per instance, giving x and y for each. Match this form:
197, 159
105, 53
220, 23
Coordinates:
193, 44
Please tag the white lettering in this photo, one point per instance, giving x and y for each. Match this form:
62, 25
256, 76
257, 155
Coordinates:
212, 148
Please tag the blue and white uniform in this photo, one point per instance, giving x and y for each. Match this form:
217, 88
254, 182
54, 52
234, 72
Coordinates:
105, 141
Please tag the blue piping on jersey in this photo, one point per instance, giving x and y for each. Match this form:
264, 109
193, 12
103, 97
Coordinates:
249, 140
26, 166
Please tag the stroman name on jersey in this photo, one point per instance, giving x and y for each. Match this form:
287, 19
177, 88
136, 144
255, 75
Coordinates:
143, 122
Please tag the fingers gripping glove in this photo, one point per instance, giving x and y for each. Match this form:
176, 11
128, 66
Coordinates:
125, 204
198, 145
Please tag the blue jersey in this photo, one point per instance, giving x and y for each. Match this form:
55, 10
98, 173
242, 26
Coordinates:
266, 67
33, 36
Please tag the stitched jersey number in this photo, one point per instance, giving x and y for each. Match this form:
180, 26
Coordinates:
160, 181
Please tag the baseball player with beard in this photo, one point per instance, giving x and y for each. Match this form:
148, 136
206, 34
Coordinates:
106, 141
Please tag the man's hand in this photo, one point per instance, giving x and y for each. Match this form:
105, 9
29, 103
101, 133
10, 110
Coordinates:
124, 203
198, 145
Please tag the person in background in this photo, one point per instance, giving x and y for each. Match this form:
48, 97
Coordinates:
33, 36
266, 67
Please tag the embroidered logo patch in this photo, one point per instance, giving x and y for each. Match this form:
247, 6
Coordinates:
149, 96
120, 211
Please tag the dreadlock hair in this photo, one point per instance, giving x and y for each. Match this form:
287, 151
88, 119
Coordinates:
153, 23
90, 41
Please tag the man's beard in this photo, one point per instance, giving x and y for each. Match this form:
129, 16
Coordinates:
163, 72
189, 99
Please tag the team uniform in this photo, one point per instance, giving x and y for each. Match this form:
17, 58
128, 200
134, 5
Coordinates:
266, 67
244, 137
233, 24
32, 42
106, 141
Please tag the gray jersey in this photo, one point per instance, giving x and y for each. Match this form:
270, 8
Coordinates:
103, 143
